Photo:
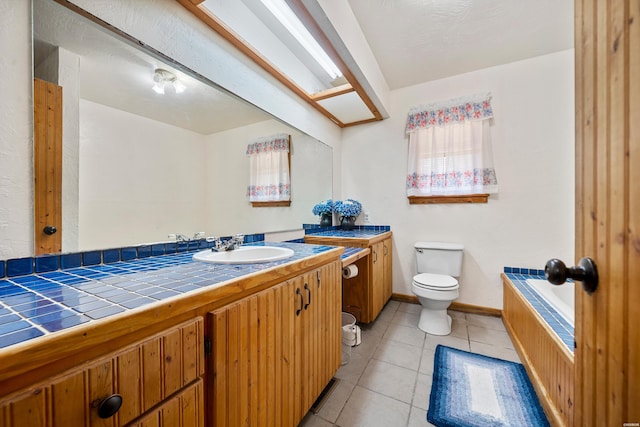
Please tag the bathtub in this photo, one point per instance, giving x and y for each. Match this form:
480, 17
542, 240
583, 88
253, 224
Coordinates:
539, 318
561, 298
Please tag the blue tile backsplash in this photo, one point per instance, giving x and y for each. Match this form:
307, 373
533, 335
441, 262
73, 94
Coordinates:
560, 326
95, 284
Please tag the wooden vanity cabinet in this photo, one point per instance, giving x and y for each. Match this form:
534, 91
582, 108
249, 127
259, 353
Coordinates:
275, 351
365, 295
159, 376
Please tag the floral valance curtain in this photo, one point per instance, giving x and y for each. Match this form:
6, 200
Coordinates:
269, 178
450, 148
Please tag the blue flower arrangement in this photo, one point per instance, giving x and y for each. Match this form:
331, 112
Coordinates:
347, 208
324, 208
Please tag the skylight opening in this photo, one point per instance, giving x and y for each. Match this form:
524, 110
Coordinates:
290, 21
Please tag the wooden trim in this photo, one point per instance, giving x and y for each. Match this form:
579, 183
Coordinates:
455, 306
432, 200
303, 14
47, 165
355, 257
277, 204
228, 34
475, 309
335, 91
411, 299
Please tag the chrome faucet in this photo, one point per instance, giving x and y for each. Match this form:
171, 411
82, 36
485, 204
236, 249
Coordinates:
184, 238
227, 244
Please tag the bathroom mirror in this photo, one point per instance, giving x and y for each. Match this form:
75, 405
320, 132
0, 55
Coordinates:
138, 165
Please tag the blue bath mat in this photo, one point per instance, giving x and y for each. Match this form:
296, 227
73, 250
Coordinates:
471, 390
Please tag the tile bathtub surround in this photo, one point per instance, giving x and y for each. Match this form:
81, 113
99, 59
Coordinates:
387, 382
560, 326
36, 304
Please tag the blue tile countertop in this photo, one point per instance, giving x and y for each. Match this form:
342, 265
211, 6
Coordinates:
560, 326
359, 232
34, 305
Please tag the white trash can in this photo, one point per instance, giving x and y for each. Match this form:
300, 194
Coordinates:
350, 336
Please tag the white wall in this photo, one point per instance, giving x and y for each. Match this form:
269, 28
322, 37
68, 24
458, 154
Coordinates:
136, 172
16, 129
528, 222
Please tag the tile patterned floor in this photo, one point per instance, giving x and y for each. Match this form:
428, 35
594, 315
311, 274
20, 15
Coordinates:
387, 381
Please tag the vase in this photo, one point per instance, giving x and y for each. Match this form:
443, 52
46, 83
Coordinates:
326, 220
347, 222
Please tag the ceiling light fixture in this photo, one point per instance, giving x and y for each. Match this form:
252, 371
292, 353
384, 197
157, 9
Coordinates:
290, 21
163, 77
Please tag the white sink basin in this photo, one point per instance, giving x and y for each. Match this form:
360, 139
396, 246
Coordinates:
244, 255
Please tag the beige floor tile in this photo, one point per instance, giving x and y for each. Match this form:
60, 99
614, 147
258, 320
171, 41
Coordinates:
418, 418
369, 409
405, 334
352, 371
489, 336
333, 404
408, 307
378, 327
495, 351
456, 342
488, 322
311, 420
397, 353
406, 318
457, 314
422, 391
459, 328
426, 361
390, 380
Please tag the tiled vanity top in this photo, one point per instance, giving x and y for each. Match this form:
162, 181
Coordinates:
38, 304
359, 232
519, 278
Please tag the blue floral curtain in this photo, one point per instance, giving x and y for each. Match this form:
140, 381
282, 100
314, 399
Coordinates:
269, 178
450, 148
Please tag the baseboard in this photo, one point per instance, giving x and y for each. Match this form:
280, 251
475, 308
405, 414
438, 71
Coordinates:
456, 306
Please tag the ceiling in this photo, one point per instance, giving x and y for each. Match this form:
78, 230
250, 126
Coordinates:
415, 41
119, 75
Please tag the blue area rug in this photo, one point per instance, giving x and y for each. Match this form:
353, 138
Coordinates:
471, 390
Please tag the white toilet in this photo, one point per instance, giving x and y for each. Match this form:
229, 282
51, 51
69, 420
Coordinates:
434, 285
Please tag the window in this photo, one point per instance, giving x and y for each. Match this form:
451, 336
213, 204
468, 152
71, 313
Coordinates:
450, 159
269, 165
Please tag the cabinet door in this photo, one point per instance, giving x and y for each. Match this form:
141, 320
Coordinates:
275, 351
186, 409
144, 374
377, 279
388, 271
252, 361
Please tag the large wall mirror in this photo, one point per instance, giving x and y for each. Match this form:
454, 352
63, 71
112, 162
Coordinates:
138, 165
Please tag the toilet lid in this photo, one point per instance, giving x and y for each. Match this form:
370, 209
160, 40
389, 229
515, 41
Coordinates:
435, 281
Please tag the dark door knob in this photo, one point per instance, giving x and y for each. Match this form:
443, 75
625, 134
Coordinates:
49, 230
109, 406
586, 272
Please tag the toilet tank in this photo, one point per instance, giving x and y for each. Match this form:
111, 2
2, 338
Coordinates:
439, 258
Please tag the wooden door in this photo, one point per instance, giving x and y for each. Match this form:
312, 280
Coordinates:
47, 166
608, 210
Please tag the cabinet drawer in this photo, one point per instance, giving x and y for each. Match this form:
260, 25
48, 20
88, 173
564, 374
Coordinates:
186, 409
143, 374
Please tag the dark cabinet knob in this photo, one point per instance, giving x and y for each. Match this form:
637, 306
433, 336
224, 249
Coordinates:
586, 272
49, 230
109, 406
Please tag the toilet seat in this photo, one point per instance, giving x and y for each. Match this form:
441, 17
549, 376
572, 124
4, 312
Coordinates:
435, 282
